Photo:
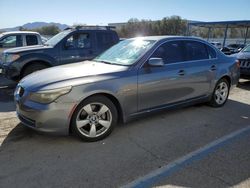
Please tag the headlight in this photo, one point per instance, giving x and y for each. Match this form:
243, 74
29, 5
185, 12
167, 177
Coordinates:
8, 58
48, 96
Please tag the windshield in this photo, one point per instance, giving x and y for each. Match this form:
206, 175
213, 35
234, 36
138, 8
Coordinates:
247, 49
55, 39
126, 52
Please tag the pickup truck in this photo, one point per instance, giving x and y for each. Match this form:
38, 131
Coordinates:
71, 45
18, 39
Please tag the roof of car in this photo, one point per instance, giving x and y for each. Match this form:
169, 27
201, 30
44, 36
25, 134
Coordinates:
166, 37
19, 32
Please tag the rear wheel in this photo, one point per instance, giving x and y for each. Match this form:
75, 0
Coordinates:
220, 94
33, 68
94, 119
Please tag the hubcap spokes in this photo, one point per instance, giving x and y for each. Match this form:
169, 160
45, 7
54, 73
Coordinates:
221, 93
94, 119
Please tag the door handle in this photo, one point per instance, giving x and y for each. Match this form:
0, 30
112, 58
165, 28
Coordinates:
213, 68
181, 72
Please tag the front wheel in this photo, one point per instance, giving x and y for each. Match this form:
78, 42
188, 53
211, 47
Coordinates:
94, 119
220, 94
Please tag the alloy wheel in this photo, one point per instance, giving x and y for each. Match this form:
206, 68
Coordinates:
221, 93
93, 120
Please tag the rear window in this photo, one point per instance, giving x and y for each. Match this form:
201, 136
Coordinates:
211, 52
104, 40
31, 40
195, 50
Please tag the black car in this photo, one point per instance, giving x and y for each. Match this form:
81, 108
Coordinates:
244, 57
69, 46
232, 48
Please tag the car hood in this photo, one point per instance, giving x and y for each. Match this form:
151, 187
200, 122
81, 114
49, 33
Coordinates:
242, 55
26, 48
71, 74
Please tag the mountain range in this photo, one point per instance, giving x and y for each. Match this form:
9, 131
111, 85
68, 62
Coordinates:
35, 25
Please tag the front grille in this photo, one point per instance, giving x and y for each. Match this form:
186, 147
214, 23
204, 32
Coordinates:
244, 63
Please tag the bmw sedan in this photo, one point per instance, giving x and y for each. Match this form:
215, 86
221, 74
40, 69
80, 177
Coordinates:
134, 77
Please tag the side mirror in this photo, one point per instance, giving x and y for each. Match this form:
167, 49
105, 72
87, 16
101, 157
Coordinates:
156, 62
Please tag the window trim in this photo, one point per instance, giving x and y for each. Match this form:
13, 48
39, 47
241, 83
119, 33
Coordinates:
168, 40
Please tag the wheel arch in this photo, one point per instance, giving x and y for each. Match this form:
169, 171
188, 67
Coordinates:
227, 78
43, 62
111, 97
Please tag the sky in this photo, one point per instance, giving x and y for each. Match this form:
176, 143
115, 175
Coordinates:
18, 12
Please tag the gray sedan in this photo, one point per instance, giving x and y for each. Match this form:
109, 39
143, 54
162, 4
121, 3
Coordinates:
134, 77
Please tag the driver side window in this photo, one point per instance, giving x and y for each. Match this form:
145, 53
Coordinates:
78, 41
11, 41
170, 52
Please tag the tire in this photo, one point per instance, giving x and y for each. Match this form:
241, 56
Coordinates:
220, 94
33, 68
94, 119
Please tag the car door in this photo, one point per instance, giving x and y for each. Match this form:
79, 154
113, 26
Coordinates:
76, 47
158, 86
201, 67
186, 75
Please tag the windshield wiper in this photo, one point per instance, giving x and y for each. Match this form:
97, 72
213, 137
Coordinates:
108, 62
101, 61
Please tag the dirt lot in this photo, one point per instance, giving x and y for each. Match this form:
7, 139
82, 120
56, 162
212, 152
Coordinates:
164, 142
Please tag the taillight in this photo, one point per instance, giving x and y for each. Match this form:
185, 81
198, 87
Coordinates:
237, 63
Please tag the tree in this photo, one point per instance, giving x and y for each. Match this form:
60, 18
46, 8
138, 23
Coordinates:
21, 28
48, 30
173, 25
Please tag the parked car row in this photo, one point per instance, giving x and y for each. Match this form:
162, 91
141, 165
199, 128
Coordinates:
114, 80
229, 49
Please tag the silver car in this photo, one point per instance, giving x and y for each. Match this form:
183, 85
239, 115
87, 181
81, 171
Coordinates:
134, 77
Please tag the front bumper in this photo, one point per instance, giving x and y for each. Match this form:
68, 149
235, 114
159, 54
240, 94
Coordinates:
10, 71
244, 72
53, 117
244, 68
